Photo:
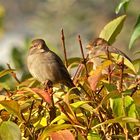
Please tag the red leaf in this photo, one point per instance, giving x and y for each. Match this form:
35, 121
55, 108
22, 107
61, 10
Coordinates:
43, 94
94, 79
62, 135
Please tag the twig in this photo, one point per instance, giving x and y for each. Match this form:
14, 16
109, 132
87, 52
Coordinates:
77, 73
123, 98
109, 68
64, 47
8, 93
134, 90
52, 109
69, 118
90, 120
31, 109
82, 52
13, 74
121, 75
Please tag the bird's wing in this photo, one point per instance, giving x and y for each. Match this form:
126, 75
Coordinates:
60, 69
117, 51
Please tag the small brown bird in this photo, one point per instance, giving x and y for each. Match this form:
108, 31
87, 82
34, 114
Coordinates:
45, 65
99, 45
98, 51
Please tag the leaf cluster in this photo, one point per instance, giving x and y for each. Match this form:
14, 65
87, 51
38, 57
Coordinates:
108, 107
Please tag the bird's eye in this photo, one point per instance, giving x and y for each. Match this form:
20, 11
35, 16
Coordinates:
34, 45
95, 44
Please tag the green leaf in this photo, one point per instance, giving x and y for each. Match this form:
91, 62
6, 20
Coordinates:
136, 64
59, 119
117, 106
112, 29
130, 107
5, 72
121, 108
110, 87
74, 60
13, 107
123, 4
118, 120
136, 98
41, 123
108, 96
118, 58
87, 107
93, 136
136, 33
78, 104
9, 131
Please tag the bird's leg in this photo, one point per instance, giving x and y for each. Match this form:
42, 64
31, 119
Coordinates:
49, 88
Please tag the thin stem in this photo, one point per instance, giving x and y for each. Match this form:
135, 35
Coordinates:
13, 74
82, 52
7, 92
121, 75
31, 109
123, 98
64, 47
109, 68
77, 73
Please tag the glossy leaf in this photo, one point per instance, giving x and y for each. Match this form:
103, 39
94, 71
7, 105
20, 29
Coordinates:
78, 104
62, 135
123, 4
121, 107
68, 109
112, 29
59, 118
41, 123
94, 79
130, 107
9, 131
108, 96
118, 120
93, 136
136, 64
117, 106
136, 98
42, 93
118, 58
74, 60
5, 72
136, 33
110, 87
48, 130
12, 106
96, 75
87, 107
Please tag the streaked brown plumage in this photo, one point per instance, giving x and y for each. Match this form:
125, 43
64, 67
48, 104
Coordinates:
98, 51
99, 45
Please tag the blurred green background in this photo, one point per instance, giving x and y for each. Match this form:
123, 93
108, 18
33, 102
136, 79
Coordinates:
23, 20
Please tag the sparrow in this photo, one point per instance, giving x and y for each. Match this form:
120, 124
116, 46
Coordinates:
45, 65
98, 51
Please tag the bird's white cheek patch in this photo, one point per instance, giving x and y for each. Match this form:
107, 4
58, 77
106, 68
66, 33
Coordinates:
42, 50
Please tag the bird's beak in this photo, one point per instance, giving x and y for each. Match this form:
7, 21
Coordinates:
88, 47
